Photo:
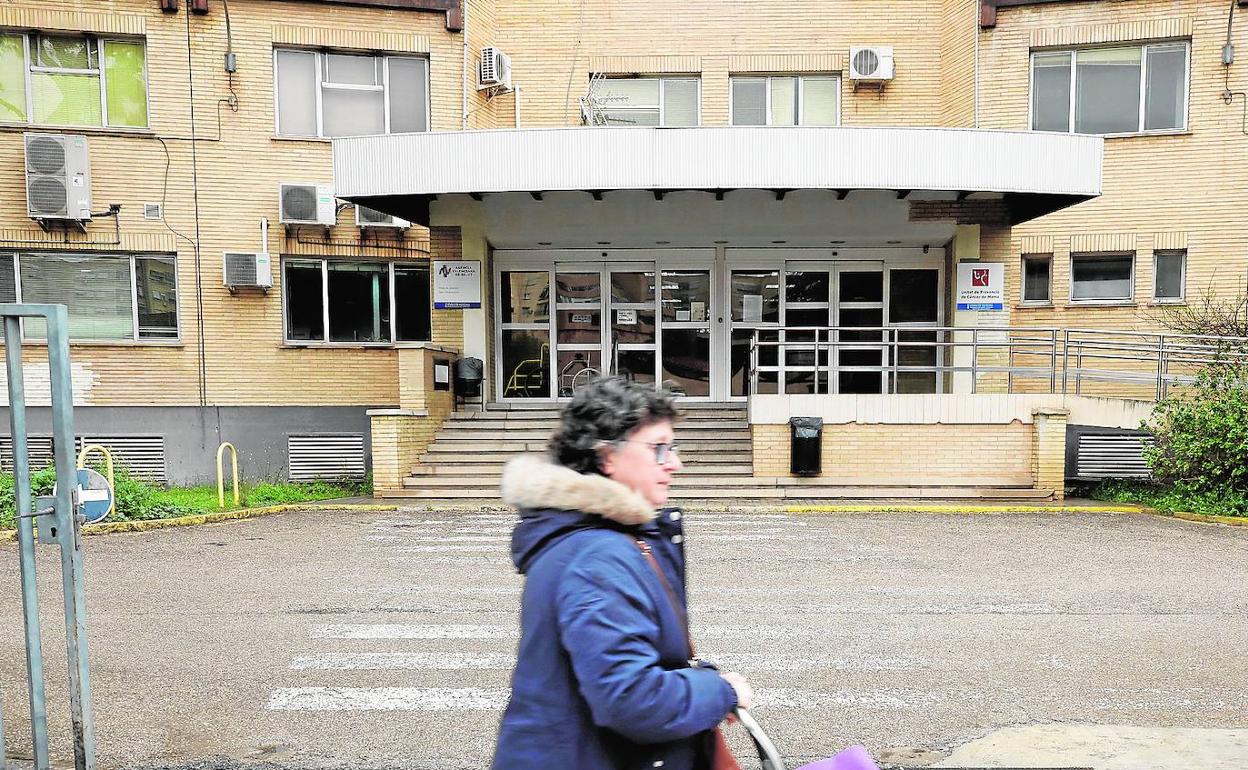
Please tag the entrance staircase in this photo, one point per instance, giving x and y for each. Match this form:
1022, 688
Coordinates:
464, 464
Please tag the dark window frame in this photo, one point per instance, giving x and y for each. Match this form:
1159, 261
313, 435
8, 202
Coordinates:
1022, 280
326, 310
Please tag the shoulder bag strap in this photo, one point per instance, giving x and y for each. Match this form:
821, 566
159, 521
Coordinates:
677, 607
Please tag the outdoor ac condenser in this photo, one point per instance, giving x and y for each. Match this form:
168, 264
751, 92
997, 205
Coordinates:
366, 217
872, 63
495, 68
308, 203
242, 269
58, 177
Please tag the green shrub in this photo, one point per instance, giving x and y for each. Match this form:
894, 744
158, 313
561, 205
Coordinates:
1201, 438
139, 500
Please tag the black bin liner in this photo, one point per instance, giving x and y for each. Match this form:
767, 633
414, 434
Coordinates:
806, 446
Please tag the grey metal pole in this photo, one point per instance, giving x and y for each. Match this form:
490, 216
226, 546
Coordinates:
26, 542
71, 551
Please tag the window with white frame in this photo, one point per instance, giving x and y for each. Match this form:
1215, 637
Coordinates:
351, 301
649, 101
327, 94
109, 296
73, 80
1037, 274
1102, 277
786, 100
1169, 267
1119, 90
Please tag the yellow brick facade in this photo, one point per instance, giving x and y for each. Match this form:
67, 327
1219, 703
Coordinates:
238, 162
1177, 191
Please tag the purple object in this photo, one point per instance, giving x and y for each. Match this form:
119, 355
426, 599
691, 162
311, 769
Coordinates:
852, 758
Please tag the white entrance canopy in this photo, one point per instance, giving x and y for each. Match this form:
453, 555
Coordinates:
1033, 173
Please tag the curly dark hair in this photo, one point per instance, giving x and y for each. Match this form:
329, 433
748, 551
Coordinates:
605, 410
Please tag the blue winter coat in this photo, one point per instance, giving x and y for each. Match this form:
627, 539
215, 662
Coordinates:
602, 678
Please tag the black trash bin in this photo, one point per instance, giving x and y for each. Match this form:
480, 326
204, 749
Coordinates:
469, 374
806, 446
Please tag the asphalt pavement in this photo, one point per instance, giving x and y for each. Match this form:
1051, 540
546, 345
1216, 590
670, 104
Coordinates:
367, 639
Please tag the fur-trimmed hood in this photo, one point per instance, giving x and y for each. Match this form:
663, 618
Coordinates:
554, 501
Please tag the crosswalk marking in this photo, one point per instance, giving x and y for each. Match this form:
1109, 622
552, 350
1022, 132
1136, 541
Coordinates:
387, 699
393, 631
387, 661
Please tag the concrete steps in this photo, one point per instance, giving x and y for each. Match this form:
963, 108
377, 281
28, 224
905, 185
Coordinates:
464, 464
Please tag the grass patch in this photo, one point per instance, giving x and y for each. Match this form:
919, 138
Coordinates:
1168, 499
138, 500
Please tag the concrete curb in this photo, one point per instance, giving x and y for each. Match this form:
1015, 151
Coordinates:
8, 536
971, 509
111, 527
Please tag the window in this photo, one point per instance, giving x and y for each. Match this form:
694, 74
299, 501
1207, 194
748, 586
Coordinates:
644, 102
340, 94
1121, 90
1102, 277
73, 80
1037, 272
333, 300
109, 296
786, 101
1168, 270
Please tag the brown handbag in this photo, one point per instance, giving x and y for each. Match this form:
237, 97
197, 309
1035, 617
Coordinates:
720, 755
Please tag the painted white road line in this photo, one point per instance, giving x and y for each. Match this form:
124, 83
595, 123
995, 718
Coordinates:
749, 662
453, 548
776, 610
395, 631
876, 700
479, 699
395, 661
387, 699
458, 539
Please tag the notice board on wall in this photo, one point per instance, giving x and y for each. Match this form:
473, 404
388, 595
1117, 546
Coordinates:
456, 284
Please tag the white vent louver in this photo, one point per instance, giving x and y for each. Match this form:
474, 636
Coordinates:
153, 211
495, 68
308, 203
366, 217
872, 63
325, 456
38, 449
244, 268
143, 456
1112, 456
58, 177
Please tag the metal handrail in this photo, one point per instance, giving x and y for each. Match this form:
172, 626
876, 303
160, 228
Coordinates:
1063, 357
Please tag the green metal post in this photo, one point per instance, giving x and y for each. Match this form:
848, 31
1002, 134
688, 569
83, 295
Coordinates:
26, 541
71, 538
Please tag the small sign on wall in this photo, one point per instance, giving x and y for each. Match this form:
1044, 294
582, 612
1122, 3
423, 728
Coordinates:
456, 285
981, 286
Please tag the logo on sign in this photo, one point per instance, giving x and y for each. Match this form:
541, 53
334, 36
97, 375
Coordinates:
979, 277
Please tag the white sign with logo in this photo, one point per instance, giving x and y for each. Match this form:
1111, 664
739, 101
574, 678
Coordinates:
626, 318
456, 285
981, 286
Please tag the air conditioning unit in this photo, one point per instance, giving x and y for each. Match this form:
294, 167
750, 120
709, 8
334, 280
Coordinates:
366, 217
308, 203
495, 68
58, 177
243, 268
874, 63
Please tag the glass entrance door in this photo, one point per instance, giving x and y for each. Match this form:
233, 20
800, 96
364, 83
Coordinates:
578, 328
633, 312
859, 355
685, 340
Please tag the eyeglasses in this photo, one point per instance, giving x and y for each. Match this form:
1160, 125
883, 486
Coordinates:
662, 451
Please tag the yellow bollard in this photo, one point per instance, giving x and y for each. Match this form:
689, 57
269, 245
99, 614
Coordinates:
221, 473
108, 466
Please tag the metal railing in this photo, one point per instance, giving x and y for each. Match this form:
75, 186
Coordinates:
998, 359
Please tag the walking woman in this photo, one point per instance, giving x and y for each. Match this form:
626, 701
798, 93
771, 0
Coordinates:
603, 679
